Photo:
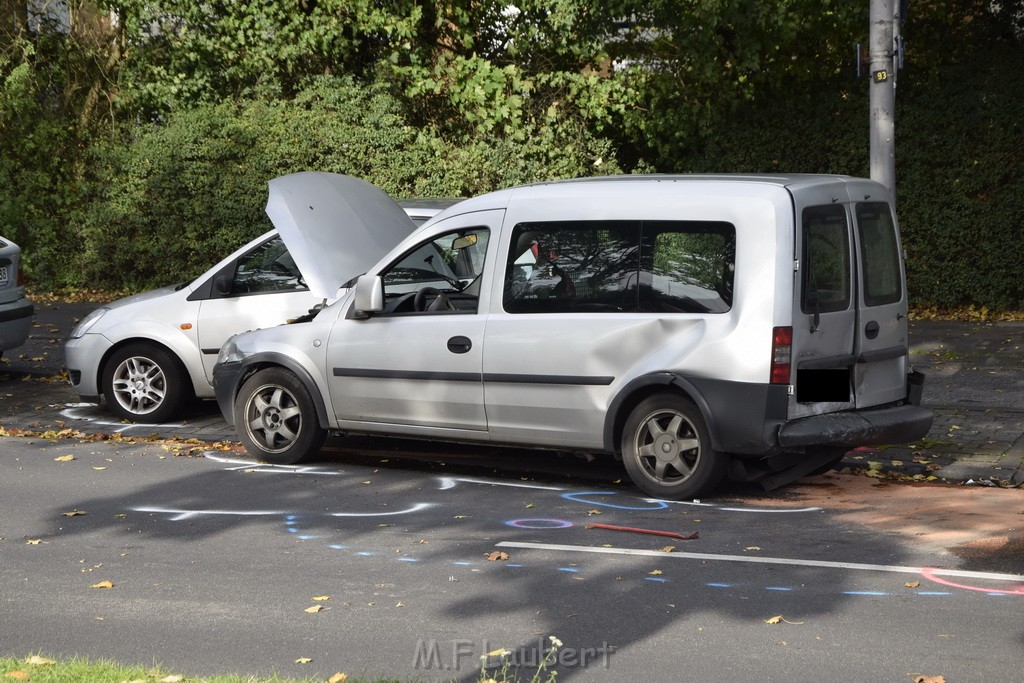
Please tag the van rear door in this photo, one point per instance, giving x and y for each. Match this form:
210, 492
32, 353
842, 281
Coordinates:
850, 303
880, 373
825, 309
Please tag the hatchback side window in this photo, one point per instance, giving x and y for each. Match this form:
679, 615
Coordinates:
826, 260
442, 275
879, 253
267, 268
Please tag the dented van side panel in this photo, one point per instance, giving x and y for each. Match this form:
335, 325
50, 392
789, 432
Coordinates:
572, 370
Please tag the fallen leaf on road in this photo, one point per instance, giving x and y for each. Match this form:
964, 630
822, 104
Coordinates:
668, 549
912, 584
102, 584
74, 513
39, 661
399, 605
751, 548
497, 555
530, 505
34, 541
99, 468
780, 620
65, 458
656, 572
321, 598
338, 678
314, 609
303, 660
930, 679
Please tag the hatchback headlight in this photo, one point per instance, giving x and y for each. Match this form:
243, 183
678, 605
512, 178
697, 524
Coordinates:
87, 323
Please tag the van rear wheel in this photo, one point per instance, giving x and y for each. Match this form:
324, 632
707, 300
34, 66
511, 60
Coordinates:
667, 451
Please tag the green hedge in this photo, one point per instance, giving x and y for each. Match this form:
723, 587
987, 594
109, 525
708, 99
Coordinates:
168, 202
959, 168
161, 201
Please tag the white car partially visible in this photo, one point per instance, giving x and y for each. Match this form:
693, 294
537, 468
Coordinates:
15, 308
147, 355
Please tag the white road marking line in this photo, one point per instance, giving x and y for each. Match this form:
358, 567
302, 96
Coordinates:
991, 576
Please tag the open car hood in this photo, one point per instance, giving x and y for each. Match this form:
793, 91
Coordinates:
335, 226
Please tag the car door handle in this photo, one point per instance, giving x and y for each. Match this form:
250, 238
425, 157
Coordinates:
871, 330
459, 344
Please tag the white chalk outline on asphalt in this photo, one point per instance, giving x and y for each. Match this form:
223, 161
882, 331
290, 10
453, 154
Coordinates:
70, 413
189, 514
446, 483
828, 564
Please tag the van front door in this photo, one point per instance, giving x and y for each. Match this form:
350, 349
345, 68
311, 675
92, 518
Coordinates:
416, 366
881, 343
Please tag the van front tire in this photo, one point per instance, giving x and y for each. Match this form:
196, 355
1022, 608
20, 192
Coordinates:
667, 451
276, 418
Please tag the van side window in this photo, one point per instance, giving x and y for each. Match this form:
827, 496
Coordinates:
687, 267
620, 266
826, 259
879, 254
441, 275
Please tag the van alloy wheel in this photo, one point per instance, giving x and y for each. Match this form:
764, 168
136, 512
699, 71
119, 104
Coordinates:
276, 418
667, 451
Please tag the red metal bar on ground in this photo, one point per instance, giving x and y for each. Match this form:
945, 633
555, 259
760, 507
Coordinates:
655, 532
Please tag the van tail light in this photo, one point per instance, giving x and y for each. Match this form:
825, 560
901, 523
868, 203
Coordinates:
20, 281
782, 354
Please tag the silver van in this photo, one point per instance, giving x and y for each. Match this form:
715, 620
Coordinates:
693, 326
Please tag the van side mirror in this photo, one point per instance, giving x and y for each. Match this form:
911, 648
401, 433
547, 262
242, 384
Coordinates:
369, 296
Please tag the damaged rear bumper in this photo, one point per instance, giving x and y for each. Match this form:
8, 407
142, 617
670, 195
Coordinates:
898, 424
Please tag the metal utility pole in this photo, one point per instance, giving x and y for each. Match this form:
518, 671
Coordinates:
883, 54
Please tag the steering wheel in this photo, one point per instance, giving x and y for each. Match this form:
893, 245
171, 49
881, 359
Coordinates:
440, 300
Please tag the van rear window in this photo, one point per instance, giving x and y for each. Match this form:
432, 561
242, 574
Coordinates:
620, 266
879, 249
826, 259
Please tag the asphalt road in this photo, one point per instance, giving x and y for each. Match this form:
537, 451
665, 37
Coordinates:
214, 564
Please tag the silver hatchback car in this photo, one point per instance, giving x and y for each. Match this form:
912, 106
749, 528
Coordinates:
15, 309
148, 354
693, 326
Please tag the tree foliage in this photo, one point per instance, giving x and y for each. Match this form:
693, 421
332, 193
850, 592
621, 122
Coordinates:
134, 123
